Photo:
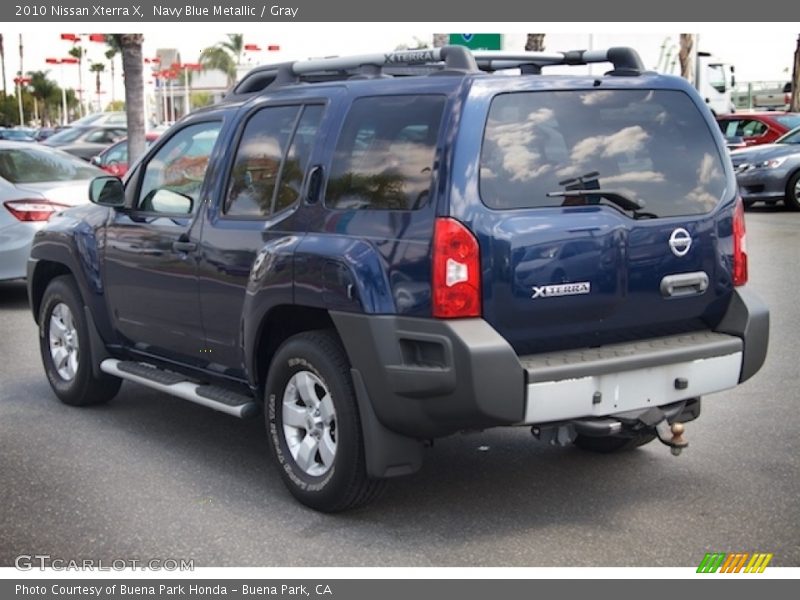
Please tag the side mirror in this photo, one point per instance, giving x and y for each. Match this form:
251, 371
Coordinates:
96, 160
167, 201
107, 191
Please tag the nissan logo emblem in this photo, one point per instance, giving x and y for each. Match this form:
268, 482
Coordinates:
680, 241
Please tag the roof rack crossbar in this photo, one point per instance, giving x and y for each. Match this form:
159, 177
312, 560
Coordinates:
453, 57
626, 61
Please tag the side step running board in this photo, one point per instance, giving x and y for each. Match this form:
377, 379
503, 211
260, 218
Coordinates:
174, 384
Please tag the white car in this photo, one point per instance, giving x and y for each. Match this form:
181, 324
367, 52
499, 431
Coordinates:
35, 182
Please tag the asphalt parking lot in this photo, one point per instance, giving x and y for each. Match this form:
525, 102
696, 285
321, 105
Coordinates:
150, 476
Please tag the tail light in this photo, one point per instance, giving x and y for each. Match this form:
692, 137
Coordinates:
33, 209
456, 271
739, 245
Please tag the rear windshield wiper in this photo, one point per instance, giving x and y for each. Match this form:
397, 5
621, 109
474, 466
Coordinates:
618, 198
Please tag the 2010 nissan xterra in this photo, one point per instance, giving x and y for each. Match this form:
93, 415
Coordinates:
379, 250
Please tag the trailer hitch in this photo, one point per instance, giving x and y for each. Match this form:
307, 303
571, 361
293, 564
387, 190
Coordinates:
668, 432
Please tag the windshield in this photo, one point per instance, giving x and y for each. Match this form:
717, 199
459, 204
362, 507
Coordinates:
15, 134
35, 165
789, 121
66, 136
793, 137
645, 148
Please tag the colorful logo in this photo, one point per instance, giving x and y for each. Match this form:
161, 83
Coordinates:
734, 562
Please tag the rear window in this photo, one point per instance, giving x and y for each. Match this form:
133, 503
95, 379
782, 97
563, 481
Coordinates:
384, 155
649, 151
35, 165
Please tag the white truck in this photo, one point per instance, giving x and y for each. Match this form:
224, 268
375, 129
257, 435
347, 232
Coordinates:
714, 81
774, 99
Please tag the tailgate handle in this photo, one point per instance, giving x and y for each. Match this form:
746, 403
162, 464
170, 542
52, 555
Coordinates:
684, 284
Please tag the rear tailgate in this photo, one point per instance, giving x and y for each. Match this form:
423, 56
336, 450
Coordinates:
603, 215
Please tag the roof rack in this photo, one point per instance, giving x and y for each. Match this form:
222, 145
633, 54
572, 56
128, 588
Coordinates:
444, 60
626, 60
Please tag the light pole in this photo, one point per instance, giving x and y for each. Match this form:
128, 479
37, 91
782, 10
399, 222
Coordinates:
61, 62
19, 82
186, 82
78, 53
154, 70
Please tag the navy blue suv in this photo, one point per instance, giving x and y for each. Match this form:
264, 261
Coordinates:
380, 250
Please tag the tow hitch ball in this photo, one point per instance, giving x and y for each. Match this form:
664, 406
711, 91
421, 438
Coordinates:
672, 436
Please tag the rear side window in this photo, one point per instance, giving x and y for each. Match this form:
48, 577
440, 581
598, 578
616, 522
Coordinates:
385, 153
652, 147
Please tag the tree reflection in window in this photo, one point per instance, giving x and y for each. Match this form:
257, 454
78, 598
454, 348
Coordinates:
384, 156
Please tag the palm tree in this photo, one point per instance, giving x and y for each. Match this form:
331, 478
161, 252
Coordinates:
97, 68
234, 45
440, 39
3, 63
794, 104
130, 46
685, 55
46, 91
535, 42
224, 56
79, 52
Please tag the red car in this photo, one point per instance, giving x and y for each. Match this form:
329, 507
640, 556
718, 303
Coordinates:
114, 159
755, 128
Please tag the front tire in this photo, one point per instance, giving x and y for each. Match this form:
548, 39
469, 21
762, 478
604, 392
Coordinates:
313, 424
64, 347
792, 200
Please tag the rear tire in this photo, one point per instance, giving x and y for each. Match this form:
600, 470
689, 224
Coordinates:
313, 424
792, 199
64, 347
612, 443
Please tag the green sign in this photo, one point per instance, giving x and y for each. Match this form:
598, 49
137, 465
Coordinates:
478, 41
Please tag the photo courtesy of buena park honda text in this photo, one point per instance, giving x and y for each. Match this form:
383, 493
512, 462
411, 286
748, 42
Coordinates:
334, 300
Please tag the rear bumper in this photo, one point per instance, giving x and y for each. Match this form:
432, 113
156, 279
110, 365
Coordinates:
426, 378
623, 377
15, 247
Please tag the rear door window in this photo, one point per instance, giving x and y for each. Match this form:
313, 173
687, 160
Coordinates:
271, 160
645, 148
385, 153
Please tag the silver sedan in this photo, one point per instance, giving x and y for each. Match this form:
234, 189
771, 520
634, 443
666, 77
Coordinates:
771, 172
35, 182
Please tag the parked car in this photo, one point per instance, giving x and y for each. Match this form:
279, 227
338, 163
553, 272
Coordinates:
45, 132
85, 142
778, 98
757, 127
112, 118
372, 262
35, 182
114, 159
16, 135
770, 173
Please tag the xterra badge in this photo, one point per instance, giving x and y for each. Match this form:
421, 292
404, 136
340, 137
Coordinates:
564, 289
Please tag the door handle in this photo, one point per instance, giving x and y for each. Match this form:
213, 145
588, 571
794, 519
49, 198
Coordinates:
181, 246
314, 184
684, 284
